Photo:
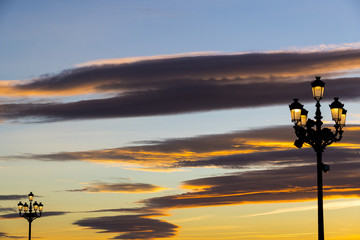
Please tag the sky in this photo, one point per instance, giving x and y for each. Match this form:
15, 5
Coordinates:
132, 119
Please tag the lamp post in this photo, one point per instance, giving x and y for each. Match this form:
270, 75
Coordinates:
30, 212
310, 132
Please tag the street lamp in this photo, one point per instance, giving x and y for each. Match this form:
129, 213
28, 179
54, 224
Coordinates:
311, 133
30, 212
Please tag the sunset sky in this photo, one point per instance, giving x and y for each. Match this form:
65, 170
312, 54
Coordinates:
134, 119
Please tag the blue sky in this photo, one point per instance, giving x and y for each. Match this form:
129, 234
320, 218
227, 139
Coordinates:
47, 37
173, 116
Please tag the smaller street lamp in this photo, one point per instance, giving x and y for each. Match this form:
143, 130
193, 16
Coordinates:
30, 212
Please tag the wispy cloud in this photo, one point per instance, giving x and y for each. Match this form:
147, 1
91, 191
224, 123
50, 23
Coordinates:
183, 84
12, 197
45, 214
266, 147
128, 60
288, 184
198, 218
327, 206
175, 153
283, 183
270, 173
130, 226
6, 235
327, 47
256, 151
119, 188
278, 185
6, 209
308, 49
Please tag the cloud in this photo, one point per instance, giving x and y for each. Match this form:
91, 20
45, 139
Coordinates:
308, 49
12, 197
295, 183
44, 214
172, 71
286, 184
327, 206
171, 153
180, 98
198, 218
183, 85
271, 172
119, 187
5, 235
116, 61
4, 209
327, 47
130, 226
131, 210
261, 148
271, 159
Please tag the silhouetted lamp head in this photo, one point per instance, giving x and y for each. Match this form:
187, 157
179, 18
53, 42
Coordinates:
31, 196
336, 110
343, 118
20, 206
303, 117
295, 110
318, 88
41, 206
26, 207
36, 206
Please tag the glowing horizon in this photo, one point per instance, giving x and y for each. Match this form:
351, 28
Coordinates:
153, 120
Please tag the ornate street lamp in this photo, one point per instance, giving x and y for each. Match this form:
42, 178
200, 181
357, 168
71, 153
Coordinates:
30, 212
311, 133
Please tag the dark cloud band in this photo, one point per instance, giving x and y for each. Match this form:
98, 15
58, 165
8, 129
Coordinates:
130, 226
188, 84
12, 197
118, 187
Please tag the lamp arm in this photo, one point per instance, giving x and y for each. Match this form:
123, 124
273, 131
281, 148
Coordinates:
327, 143
329, 137
306, 134
300, 132
310, 132
31, 217
338, 135
310, 137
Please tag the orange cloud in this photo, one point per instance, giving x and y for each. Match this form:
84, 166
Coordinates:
287, 184
13, 89
119, 188
264, 148
156, 72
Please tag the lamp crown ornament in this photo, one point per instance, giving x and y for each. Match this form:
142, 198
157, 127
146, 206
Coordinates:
317, 82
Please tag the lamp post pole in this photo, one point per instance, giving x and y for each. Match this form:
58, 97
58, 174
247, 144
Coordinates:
319, 151
320, 197
30, 212
311, 132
